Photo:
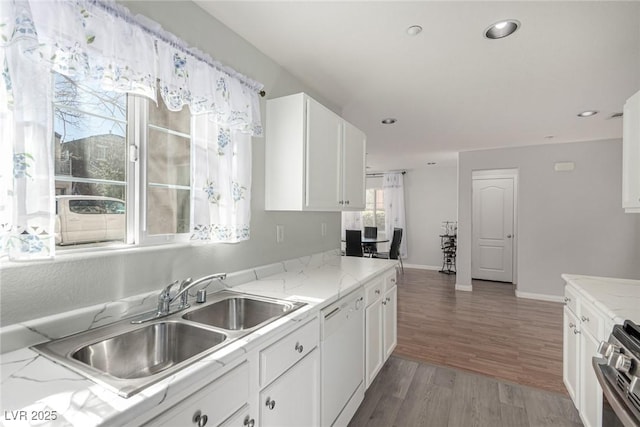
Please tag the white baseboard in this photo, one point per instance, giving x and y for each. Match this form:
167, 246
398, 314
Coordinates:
423, 267
541, 297
466, 288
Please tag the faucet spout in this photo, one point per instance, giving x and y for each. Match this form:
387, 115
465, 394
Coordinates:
187, 284
165, 299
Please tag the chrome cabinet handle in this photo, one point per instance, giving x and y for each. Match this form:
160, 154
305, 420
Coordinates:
585, 319
199, 419
346, 202
571, 325
249, 422
576, 331
386, 300
567, 299
270, 403
299, 347
377, 292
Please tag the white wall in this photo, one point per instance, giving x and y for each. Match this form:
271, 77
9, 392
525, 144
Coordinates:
431, 197
34, 290
569, 222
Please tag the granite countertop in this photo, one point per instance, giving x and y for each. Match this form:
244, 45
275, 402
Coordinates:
619, 299
31, 382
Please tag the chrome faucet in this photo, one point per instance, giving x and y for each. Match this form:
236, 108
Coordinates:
165, 299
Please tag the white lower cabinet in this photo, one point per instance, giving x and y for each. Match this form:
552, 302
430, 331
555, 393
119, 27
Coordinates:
380, 323
293, 398
278, 383
213, 404
584, 329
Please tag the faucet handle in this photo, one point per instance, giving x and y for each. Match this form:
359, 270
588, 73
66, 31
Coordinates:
164, 298
185, 283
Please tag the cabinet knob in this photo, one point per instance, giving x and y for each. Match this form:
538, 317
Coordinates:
571, 325
249, 422
576, 331
585, 319
377, 291
567, 299
299, 347
270, 403
199, 419
341, 202
346, 202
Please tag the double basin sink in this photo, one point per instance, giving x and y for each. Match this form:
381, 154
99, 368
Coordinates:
127, 357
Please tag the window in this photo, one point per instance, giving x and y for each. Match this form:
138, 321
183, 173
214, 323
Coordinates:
373, 215
95, 133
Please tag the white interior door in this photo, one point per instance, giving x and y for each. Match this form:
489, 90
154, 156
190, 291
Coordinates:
492, 226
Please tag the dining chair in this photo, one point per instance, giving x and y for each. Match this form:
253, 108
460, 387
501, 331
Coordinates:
353, 243
394, 248
370, 233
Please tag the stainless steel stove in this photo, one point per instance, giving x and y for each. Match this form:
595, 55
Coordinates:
618, 372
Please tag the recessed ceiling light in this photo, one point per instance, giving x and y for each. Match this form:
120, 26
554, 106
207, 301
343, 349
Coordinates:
431, 163
388, 121
549, 137
588, 113
414, 30
502, 29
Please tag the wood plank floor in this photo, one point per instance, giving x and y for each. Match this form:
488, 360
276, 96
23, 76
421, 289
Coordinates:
408, 393
487, 331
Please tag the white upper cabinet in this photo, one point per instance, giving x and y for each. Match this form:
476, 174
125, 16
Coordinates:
631, 155
314, 160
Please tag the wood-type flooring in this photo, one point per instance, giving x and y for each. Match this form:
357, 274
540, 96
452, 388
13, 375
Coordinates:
407, 393
487, 331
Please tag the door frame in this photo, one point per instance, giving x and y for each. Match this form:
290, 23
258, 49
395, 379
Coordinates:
498, 174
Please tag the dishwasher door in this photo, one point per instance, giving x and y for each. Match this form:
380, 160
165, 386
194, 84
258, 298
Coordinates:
342, 355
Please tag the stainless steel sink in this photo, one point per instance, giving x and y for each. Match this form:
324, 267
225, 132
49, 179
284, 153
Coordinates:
127, 357
237, 313
148, 350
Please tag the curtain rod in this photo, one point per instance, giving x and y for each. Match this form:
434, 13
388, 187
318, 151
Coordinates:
155, 29
376, 174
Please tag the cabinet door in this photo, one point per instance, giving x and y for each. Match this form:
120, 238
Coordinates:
217, 401
590, 391
242, 418
570, 356
353, 168
373, 335
293, 399
390, 333
322, 158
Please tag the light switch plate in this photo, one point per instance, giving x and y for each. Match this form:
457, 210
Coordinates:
279, 233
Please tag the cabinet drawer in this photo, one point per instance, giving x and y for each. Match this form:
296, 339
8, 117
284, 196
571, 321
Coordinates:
390, 280
283, 354
217, 401
571, 298
591, 320
374, 290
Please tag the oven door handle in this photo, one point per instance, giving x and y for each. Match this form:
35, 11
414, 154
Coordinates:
617, 401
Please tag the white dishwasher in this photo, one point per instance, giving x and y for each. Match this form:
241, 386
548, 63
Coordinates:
342, 359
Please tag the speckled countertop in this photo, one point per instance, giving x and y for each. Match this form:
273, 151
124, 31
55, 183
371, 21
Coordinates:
31, 382
619, 299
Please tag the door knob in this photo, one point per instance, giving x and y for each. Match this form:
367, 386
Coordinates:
509, 236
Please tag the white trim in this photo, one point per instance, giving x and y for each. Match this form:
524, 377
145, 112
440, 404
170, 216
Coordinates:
423, 267
466, 288
541, 297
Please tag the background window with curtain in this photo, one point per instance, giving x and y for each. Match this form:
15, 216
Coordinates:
374, 213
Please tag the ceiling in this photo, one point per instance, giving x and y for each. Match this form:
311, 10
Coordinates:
450, 88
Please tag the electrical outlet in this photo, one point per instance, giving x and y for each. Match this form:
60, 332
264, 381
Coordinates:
279, 233
323, 229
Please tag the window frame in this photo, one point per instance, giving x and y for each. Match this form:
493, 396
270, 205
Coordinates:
382, 232
136, 175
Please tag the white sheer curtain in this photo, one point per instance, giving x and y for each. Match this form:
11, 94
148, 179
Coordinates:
104, 42
222, 182
394, 211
